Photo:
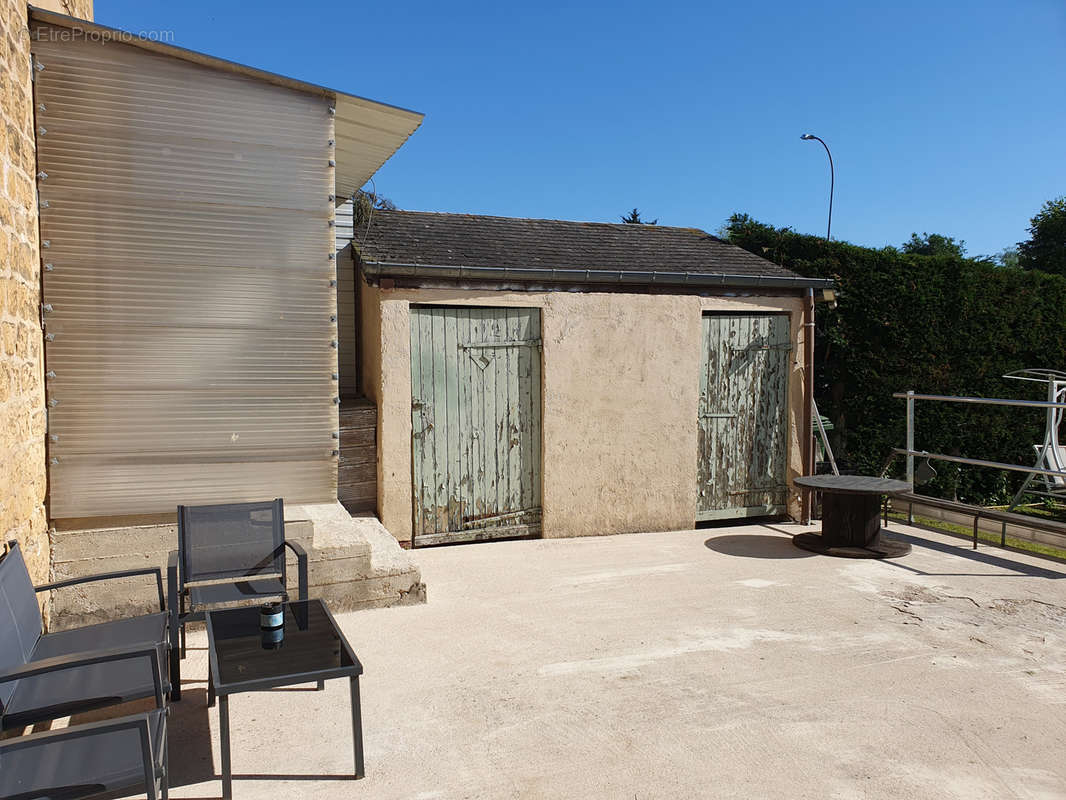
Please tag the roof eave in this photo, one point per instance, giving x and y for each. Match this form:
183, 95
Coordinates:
389, 269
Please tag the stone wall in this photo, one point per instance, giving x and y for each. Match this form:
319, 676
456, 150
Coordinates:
22, 416
23, 476
354, 563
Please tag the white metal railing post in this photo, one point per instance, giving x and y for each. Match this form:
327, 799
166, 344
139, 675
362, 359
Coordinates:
910, 447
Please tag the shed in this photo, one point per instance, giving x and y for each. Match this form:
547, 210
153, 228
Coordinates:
190, 274
554, 378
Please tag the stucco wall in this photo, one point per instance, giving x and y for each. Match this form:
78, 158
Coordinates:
23, 480
620, 397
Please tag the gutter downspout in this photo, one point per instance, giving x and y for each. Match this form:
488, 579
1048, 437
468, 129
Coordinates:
808, 400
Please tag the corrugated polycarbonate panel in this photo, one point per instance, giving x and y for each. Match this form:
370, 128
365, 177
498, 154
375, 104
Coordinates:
366, 133
186, 212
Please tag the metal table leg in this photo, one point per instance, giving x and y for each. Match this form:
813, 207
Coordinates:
223, 727
357, 726
172, 625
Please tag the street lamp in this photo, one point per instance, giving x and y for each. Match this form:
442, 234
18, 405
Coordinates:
832, 179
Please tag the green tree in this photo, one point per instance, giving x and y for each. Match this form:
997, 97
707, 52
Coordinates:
934, 244
939, 324
1008, 257
633, 218
1045, 249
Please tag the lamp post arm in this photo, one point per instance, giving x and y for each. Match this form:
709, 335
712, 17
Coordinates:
832, 186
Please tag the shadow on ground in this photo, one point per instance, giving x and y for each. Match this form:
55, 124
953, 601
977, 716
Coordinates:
755, 545
964, 551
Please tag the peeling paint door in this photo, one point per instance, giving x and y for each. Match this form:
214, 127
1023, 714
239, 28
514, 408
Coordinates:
475, 423
743, 416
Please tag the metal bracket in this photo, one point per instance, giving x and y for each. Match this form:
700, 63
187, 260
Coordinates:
749, 349
494, 345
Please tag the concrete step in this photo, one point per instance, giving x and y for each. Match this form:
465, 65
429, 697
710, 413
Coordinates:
353, 563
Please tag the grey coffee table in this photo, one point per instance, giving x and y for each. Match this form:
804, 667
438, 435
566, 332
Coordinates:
851, 522
244, 659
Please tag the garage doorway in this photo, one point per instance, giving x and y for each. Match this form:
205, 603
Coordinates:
743, 416
475, 423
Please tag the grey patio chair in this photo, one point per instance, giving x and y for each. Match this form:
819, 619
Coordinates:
45, 676
228, 555
89, 759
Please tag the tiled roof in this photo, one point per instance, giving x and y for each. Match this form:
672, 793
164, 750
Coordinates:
467, 240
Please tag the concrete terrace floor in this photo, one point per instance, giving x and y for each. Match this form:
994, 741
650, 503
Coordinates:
694, 664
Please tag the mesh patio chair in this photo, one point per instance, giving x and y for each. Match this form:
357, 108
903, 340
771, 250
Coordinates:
45, 676
89, 759
228, 555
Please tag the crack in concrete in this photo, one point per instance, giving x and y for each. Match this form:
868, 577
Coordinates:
909, 613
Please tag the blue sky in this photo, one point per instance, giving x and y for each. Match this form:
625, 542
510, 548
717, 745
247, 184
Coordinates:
947, 117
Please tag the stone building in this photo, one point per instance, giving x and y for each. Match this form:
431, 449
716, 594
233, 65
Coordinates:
23, 476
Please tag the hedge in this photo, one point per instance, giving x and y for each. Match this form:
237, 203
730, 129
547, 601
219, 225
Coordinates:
934, 324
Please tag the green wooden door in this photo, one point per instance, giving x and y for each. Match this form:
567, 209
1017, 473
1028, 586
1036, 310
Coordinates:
475, 423
743, 416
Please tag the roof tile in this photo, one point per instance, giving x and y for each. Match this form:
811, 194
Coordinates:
467, 240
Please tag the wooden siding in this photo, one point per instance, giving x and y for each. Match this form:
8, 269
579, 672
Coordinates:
476, 423
743, 416
357, 469
347, 308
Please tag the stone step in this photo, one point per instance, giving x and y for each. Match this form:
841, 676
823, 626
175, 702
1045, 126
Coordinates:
353, 563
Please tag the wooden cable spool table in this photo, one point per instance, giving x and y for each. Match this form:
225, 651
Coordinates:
851, 518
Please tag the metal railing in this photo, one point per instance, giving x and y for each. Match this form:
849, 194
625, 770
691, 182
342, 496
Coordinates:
910, 451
